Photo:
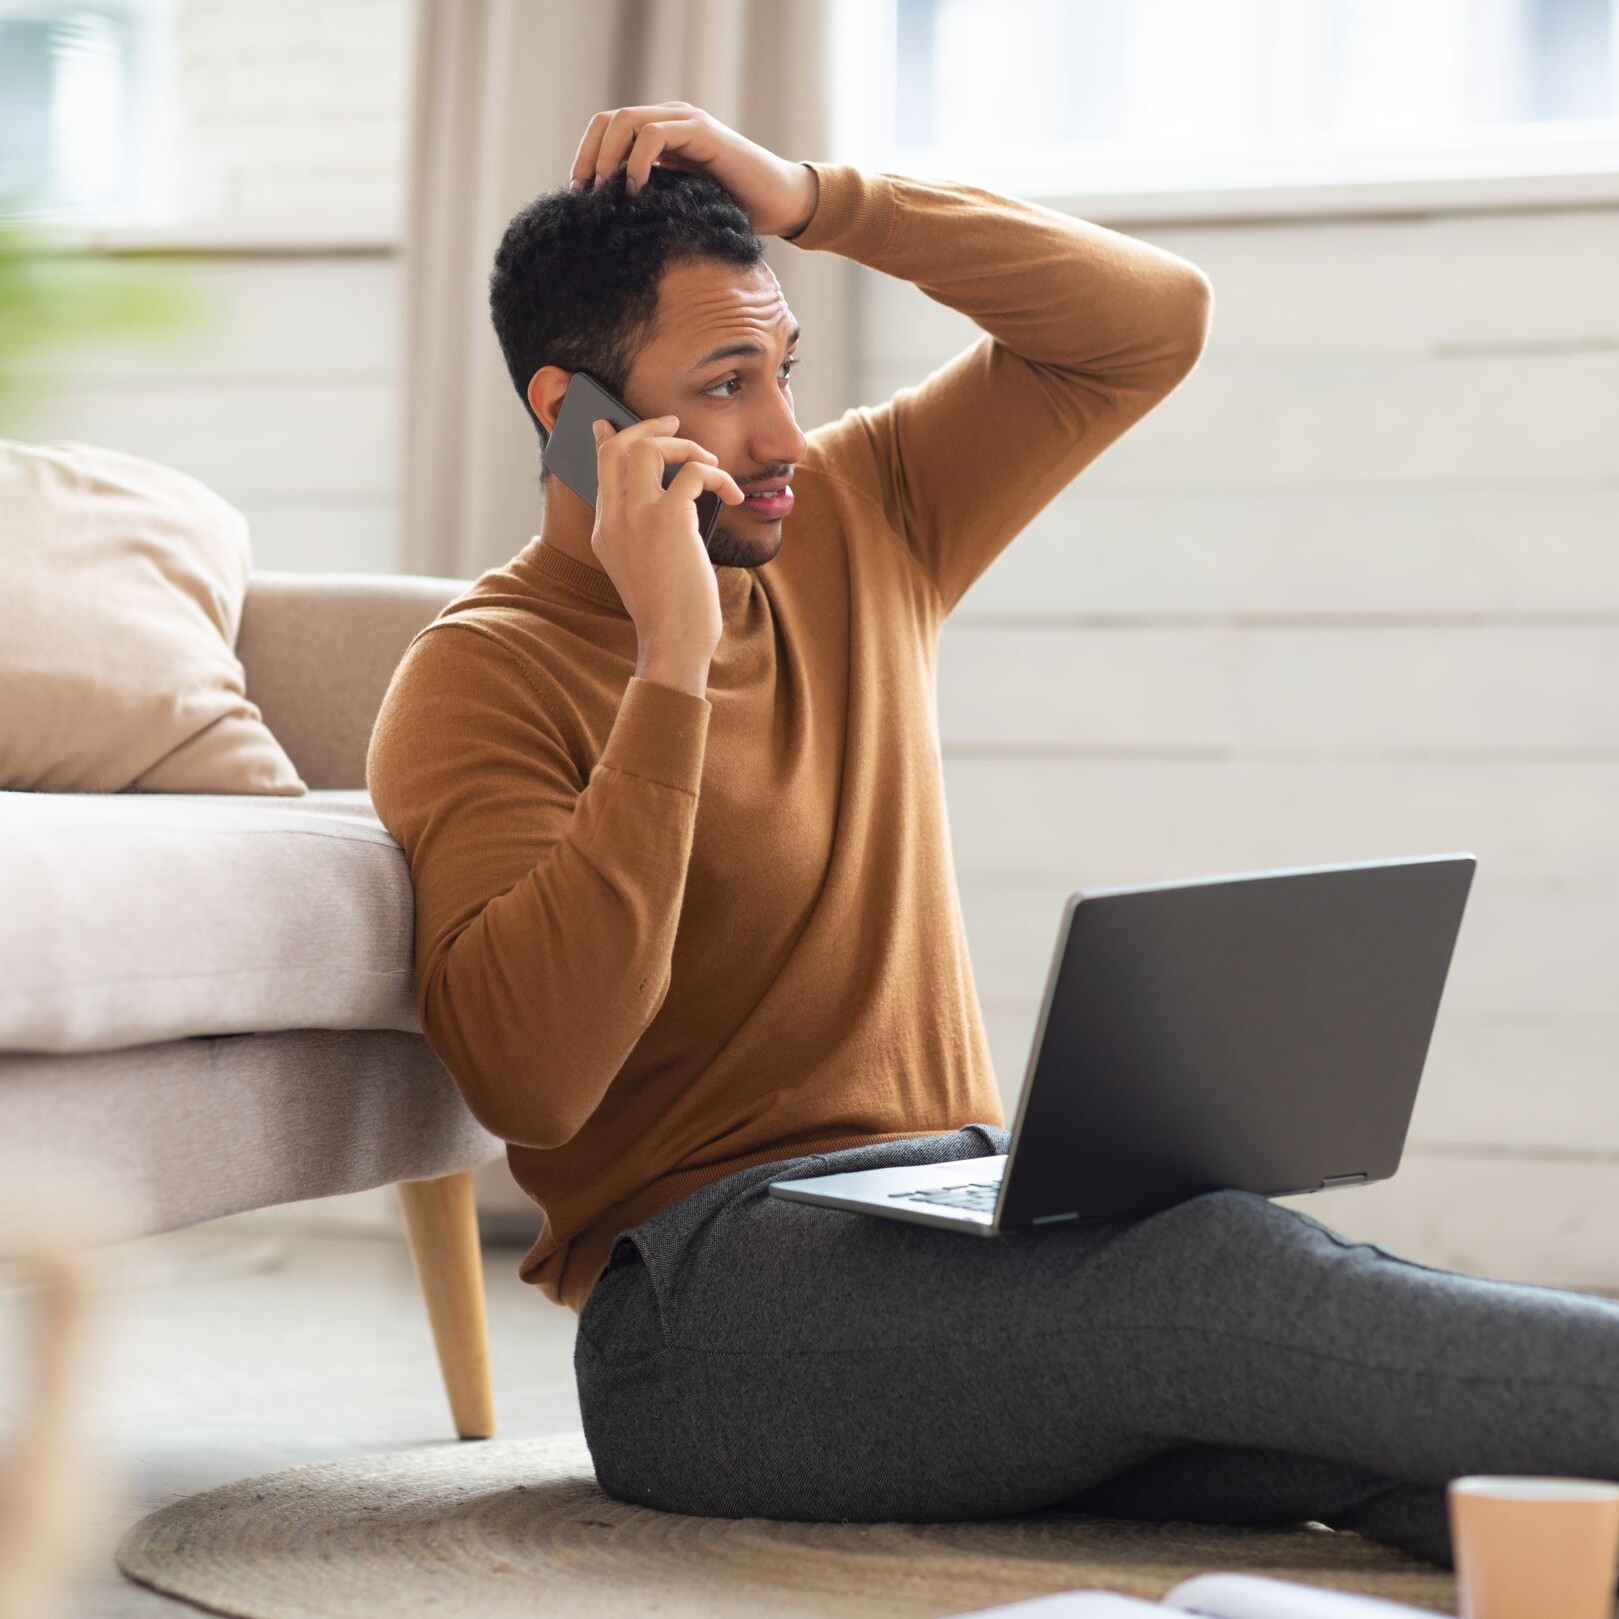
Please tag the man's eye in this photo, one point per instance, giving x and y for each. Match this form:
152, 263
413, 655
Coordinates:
786, 364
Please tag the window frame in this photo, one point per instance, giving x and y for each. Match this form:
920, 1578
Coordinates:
1566, 164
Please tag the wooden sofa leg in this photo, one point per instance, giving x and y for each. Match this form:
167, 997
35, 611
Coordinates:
441, 1222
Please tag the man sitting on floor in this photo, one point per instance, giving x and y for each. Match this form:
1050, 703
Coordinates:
687, 919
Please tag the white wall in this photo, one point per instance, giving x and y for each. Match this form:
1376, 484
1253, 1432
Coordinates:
1351, 592
282, 397
292, 116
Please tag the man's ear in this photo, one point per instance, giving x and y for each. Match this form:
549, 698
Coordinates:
545, 390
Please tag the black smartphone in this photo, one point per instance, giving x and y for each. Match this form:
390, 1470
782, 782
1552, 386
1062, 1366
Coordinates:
571, 451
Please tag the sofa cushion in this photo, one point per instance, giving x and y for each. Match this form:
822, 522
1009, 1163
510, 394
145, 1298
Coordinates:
123, 583
132, 917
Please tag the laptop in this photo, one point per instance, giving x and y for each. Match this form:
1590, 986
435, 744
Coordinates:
1261, 1030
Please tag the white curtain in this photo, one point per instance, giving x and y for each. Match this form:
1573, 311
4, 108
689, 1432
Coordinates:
503, 91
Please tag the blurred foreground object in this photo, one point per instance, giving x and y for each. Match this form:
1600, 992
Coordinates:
54, 1479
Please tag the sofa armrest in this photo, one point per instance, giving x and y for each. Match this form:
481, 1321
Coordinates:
319, 650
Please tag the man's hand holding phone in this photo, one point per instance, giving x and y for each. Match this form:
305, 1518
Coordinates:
647, 539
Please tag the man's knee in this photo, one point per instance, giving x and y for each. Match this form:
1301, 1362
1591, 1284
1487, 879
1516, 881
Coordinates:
1254, 1212
1212, 1246
1231, 1209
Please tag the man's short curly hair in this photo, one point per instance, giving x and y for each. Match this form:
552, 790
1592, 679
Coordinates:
576, 275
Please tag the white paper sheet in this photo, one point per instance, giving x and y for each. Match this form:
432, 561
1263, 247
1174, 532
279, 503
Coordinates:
1219, 1596
1257, 1596
1071, 1605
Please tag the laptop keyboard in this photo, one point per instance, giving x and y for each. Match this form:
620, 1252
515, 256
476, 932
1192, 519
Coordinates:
976, 1195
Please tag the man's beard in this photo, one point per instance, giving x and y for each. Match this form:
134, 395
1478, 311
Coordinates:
730, 548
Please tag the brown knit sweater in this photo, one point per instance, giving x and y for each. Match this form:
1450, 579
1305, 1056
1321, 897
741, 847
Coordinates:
660, 937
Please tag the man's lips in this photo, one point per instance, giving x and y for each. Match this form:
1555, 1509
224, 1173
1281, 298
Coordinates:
777, 505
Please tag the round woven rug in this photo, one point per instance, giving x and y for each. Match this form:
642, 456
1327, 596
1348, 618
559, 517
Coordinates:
520, 1527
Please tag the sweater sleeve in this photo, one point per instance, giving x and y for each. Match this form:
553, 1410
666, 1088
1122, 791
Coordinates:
546, 904
1086, 330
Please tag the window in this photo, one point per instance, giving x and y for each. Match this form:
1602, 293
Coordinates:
1066, 97
204, 119
82, 96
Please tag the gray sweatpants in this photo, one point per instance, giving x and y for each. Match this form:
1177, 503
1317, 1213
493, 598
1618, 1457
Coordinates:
1227, 1360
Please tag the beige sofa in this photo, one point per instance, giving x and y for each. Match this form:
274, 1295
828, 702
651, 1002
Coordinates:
208, 1000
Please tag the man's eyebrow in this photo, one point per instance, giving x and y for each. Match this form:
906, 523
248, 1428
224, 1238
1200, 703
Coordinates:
741, 349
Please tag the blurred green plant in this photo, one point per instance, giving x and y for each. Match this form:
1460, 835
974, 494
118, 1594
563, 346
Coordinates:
53, 295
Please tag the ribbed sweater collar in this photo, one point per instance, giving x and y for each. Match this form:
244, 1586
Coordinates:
596, 585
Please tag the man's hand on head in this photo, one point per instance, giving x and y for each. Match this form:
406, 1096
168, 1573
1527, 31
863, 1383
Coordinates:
778, 195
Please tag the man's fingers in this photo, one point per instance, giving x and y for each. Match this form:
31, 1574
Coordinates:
650, 457
616, 141
696, 476
654, 137
660, 141
584, 160
639, 459
609, 469
610, 136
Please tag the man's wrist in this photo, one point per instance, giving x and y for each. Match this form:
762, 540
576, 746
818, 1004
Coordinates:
685, 669
812, 200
